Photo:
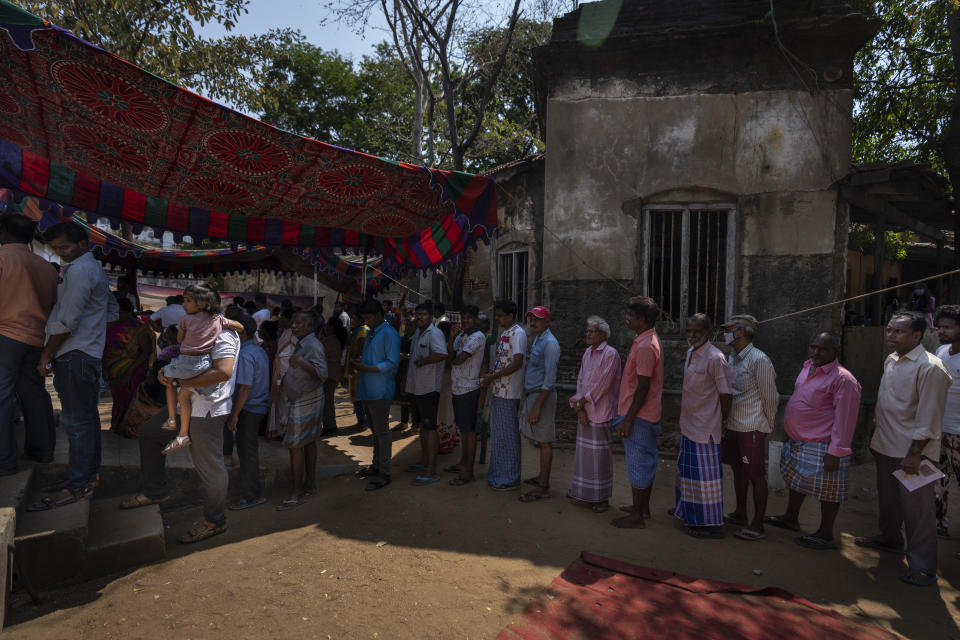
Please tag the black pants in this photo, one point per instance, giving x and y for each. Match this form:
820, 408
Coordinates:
19, 380
329, 406
247, 438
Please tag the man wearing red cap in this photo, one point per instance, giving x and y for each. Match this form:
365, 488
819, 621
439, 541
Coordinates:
539, 407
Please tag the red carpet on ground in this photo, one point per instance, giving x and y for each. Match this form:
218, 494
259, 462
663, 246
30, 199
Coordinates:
599, 598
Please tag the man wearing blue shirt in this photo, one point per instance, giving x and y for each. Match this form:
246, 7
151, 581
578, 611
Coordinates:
75, 335
539, 407
375, 386
251, 404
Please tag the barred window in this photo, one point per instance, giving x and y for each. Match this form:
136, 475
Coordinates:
512, 280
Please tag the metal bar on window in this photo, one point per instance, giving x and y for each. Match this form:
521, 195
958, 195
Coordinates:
684, 266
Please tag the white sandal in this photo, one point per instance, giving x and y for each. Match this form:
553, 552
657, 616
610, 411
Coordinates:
170, 425
177, 443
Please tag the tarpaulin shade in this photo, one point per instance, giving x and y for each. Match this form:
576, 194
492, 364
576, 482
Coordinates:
85, 129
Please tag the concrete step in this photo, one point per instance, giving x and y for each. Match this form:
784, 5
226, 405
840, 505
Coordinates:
118, 540
54, 542
14, 489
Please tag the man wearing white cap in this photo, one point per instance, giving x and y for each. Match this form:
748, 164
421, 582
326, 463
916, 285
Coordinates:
539, 407
752, 417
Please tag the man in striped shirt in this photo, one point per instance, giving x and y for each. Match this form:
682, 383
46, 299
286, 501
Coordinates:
752, 417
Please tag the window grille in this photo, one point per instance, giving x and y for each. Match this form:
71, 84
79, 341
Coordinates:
512, 268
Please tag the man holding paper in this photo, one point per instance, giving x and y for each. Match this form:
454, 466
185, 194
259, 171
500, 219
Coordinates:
909, 412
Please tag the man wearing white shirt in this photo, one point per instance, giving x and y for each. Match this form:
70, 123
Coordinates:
209, 414
169, 315
466, 358
948, 327
262, 314
428, 354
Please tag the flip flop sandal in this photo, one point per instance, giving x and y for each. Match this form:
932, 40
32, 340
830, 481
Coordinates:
729, 519
704, 533
879, 544
169, 425
600, 507
534, 496
452, 469
243, 503
377, 483
141, 500
816, 542
919, 579
415, 467
781, 523
365, 472
535, 480
290, 503
750, 534
459, 481
62, 499
202, 531
177, 443
422, 481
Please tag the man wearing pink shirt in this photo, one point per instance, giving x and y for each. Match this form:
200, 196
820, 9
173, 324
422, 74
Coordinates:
820, 419
704, 407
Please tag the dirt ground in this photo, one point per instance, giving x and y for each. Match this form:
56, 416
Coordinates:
458, 562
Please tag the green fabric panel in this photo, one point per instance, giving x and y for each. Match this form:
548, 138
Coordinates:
61, 183
155, 213
12, 14
456, 183
237, 228
443, 242
306, 235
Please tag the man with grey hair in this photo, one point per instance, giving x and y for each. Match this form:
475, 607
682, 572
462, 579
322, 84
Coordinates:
752, 417
820, 419
595, 402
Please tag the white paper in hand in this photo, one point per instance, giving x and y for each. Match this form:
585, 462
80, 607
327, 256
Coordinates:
926, 474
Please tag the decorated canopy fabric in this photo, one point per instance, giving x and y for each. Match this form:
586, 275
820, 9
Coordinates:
83, 128
340, 273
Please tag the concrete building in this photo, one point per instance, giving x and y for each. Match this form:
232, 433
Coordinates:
694, 151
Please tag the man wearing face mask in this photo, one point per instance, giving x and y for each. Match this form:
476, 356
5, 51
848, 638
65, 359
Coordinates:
752, 417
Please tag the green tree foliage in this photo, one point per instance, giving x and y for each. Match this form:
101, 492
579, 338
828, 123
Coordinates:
160, 36
904, 84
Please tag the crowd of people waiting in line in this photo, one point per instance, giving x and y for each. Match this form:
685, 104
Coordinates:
253, 375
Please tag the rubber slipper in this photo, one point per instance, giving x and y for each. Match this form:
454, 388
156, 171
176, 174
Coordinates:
290, 503
781, 522
422, 481
141, 500
243, 503
416, 467
600, 507
728, 518
365, 472
62, 499
879, 544
534, 496
919, 579
459, 481
505, 487
452, 469
815, 542
377, 483
703, 533
750, 534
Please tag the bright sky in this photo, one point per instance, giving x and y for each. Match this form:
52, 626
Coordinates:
305, 15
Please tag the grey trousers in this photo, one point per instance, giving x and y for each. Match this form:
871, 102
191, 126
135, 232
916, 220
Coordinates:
378, 417
915, 511
206, 450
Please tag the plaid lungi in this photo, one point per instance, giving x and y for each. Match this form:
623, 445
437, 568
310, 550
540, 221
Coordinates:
302, 422
699, 484
801, 465
593, 463
504, 468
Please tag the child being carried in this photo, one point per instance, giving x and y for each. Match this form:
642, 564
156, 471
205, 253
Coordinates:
197, 333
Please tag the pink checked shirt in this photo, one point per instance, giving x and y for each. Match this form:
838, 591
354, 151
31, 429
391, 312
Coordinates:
823, 408
598, 383
706, 377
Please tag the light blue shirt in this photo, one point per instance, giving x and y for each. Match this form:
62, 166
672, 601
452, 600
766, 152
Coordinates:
253, 370
381, 350
84, 307
542, 365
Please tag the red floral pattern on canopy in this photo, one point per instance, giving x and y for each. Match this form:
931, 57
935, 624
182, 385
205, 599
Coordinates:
83, 128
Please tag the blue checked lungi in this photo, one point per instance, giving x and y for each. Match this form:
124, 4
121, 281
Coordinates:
504, 467
640, 451
699, 484
801, 465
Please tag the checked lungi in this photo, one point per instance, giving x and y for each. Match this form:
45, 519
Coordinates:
699, 484
801, 465
593, 463
504, 468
